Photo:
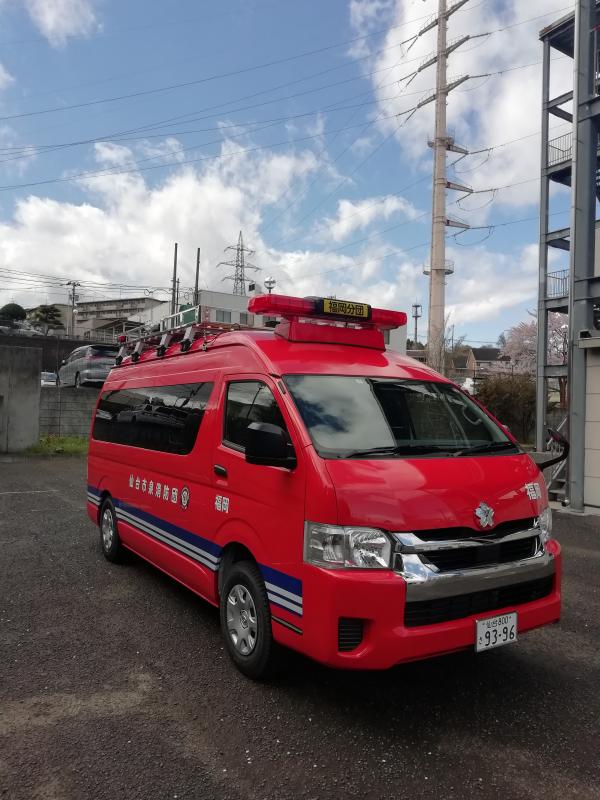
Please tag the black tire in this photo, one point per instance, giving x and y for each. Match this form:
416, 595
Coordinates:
112, 548
77, 381
263, 658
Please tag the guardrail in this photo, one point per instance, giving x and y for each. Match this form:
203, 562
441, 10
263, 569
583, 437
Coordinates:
560, 149
557, 284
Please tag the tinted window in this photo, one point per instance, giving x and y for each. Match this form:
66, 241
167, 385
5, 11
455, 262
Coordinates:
165, 418
104, 350
247, 402
346, 415
223, 316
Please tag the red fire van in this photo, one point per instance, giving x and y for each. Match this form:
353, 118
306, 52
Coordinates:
328, 495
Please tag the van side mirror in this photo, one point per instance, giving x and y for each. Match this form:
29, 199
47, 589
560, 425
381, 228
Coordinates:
269, 445
559, 442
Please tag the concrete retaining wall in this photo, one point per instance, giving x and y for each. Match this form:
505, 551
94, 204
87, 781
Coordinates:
54, 348
19, 397
66, 412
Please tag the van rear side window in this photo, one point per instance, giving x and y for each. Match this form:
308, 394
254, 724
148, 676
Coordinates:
164, 418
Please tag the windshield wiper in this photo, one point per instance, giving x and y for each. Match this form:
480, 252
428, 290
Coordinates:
488, 447
401, 449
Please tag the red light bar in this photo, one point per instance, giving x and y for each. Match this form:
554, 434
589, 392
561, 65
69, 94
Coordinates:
386, 320
281, 304
326, 308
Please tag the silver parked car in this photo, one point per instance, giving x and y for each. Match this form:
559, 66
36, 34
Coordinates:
86, 365
48, 379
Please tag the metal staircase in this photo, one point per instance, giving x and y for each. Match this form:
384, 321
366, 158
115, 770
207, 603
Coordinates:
557, 476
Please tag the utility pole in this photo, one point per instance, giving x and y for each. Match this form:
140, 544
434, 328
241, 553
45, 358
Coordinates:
174, 287
196, 292
442, 142
437, 278
240, 265
417, 311
177, 297
73, 298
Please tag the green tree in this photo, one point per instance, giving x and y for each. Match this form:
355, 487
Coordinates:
46, 317
511, 399
12, 311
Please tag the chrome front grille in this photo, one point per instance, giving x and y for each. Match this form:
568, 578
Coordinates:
448, 559
440, 564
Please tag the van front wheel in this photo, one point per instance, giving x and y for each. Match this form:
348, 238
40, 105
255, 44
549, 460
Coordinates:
246, 621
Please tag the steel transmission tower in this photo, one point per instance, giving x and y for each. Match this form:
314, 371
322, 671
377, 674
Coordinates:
240, 265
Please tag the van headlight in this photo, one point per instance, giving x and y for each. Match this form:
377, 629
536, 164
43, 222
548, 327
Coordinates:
337, 547
544, 523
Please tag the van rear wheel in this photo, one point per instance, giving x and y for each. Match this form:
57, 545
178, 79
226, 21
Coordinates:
246, 621
110, 541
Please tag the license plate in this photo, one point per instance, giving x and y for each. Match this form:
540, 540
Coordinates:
495, 631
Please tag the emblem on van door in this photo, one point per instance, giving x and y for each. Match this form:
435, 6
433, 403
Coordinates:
485, 515
185, 497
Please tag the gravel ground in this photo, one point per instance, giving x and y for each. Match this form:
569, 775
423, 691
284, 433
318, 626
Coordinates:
114, 684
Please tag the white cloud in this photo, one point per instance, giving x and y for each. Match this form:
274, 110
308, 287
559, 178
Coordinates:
482, 112
20, 156
353, 216
125, 232
170, 149
59, 19
111, 154
6, 79
486, 284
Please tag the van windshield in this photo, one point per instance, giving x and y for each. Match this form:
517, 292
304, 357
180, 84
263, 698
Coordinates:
362, 417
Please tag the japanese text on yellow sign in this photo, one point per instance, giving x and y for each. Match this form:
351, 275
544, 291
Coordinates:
346, 308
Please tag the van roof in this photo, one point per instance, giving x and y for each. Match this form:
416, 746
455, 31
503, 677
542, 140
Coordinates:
279, 356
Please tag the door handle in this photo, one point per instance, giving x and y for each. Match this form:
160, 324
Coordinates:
219, 470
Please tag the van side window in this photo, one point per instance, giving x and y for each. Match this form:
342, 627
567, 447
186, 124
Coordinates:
164, 418
247, 402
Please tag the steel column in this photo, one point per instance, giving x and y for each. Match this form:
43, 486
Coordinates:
542, 317
583, 206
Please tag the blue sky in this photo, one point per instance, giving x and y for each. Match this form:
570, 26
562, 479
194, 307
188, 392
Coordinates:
301, 147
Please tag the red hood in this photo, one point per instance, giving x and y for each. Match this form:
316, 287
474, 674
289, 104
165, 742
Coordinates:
403, 495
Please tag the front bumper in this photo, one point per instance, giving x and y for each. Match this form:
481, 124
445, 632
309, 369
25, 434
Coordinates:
379, 600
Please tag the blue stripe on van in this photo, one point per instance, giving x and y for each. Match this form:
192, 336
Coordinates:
174, 530
283, 590
281, 579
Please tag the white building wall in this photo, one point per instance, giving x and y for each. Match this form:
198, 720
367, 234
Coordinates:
592, 432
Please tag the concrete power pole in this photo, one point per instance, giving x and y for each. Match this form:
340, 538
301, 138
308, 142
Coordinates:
73, 298
442, 142
196, 282
174, 286
437, 277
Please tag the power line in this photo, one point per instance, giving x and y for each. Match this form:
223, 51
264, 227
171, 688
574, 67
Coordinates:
208, 78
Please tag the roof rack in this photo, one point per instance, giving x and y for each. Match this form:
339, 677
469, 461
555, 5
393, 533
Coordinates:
183, 327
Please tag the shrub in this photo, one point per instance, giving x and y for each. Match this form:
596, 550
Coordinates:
511, 399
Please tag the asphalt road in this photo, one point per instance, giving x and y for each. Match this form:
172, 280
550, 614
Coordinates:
114, 684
